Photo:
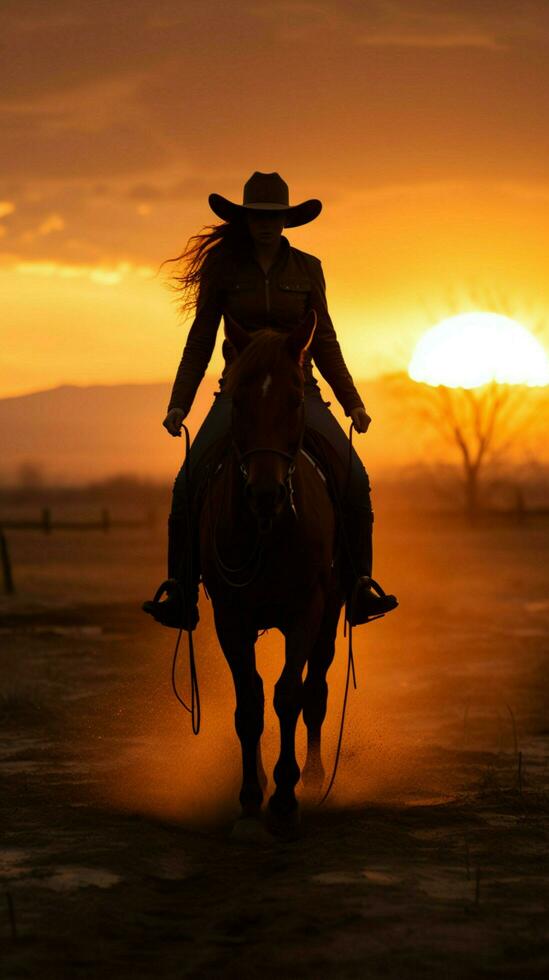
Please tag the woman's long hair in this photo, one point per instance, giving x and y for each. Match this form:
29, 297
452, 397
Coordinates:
199, 265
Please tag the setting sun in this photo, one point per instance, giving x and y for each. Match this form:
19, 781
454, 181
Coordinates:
471, 349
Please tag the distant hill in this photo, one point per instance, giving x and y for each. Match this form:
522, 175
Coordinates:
73, 434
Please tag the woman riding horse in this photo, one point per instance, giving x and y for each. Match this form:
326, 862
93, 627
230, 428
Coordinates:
247, 269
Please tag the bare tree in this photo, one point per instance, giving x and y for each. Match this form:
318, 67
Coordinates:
481, 423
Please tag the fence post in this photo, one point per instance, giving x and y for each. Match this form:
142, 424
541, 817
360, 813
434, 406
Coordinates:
520, 508
9, 587
46, 520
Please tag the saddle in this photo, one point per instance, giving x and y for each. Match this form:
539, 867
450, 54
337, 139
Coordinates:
327, 461
208, 467
335, 476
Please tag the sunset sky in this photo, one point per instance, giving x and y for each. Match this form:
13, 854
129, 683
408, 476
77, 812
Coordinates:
420, 124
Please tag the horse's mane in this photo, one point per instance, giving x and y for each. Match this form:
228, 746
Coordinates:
265, 352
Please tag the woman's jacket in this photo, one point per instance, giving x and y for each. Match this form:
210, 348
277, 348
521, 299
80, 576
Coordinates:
278, 299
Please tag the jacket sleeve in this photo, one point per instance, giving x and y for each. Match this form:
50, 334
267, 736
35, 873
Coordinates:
198, 349
325, 349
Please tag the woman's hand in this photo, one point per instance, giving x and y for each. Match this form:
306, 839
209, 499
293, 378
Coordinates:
361, 419
174, 421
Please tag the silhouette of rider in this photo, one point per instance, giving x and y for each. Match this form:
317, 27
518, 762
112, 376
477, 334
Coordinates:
247, 268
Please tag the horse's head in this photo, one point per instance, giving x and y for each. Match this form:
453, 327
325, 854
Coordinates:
266, 385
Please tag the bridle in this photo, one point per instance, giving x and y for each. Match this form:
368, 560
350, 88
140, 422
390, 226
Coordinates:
288, 483
250, 567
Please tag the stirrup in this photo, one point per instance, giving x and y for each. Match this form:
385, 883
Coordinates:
354, 616
172, 611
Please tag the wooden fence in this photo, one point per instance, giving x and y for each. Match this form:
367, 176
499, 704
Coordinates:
47, 525
105, 522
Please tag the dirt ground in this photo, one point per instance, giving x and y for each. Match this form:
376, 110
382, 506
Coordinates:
430, 858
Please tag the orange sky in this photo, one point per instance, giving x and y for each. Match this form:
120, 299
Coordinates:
420, 125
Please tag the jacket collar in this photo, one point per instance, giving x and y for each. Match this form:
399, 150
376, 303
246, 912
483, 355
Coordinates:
281, 257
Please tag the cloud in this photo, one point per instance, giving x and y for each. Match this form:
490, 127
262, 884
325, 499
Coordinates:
31, 149
187, 189
492, 24
50, 47
121, 116
104, 275
524, 191
455, 40
51, 223
418, 190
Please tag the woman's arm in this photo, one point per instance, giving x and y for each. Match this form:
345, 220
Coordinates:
325, 349
198, 350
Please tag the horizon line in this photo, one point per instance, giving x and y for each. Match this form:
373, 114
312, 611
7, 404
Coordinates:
141, 384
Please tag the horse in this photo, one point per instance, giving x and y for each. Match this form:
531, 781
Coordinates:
269, 559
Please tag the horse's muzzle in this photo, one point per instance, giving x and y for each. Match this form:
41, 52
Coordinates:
266, 502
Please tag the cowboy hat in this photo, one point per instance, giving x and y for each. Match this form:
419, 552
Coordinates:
266, 192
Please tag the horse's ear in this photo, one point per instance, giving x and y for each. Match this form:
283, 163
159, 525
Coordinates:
302, 335
235, 334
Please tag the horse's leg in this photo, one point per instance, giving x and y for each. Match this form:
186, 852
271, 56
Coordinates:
288, 703
315, 694
261, 774
238, 644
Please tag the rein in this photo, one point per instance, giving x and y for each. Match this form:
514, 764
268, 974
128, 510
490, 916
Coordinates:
224, 570
347, 622
194, 709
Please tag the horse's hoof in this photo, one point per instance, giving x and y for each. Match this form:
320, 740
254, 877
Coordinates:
250, 830
312, 793
282, 823
313, 781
